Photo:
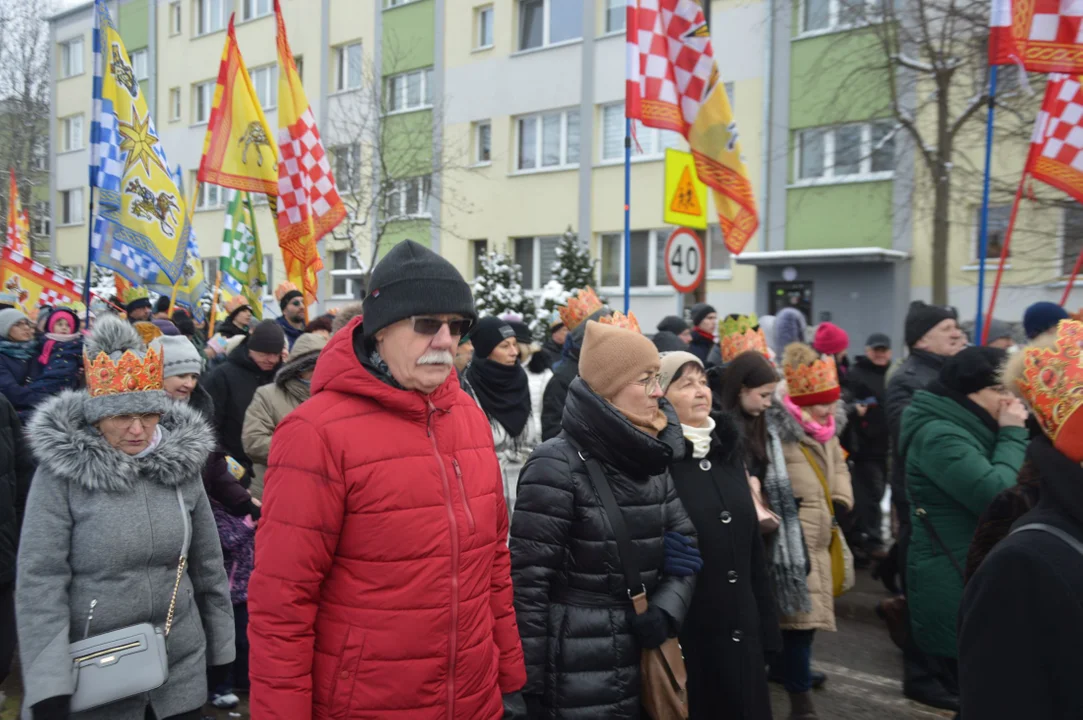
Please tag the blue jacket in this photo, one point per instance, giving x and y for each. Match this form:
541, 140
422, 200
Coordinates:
292, 333
26, 383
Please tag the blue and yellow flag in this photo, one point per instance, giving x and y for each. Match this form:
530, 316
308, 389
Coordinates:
193, 285
142, 225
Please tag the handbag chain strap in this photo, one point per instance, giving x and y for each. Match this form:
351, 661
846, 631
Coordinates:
181, 564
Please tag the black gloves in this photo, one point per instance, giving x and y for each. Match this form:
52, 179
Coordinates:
652, 628
54, 708
682, 558
515, 706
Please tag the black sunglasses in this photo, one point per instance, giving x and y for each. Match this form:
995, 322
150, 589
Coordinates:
431, 326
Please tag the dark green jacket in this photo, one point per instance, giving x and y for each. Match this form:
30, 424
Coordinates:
955, 466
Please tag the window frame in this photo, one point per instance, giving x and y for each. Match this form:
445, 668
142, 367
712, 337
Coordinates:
203, 24
176, 18
425, 91
272, 84
621, 6
400, 189
866, 151
199, 90
134, 57
66, 125
713, 273
539, 142
480, 13
479, 250
656, 241
657, 136
67, 56
254, 4
975, 238
834, 13
392, 4
353, 164
175, 104
536, 281
43, 219
547, 29
68, 206
203, 197
352, 275
478, 160
342, 65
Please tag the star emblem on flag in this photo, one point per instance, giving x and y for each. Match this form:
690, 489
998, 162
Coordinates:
138, 141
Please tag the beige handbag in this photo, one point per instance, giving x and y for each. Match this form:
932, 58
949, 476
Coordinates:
767, 519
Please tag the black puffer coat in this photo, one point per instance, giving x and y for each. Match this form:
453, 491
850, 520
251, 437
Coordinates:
556, 392
232, 386
732, 623
16, 469
571, 602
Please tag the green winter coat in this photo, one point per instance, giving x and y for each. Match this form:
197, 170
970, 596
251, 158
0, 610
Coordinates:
955, 466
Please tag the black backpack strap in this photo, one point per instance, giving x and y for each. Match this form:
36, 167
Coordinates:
1042, 527
628, 559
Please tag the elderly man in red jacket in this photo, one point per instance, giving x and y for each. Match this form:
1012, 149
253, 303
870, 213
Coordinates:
382, 585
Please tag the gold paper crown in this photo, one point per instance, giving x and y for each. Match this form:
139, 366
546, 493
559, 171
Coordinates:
813, 384
740, 333
579, 308
131, 294
1052, 383
129, 374
619, 319
282, 289
147, 331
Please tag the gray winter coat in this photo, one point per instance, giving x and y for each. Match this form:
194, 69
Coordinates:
102, 525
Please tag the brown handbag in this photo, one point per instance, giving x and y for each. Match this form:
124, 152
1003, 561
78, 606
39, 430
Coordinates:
663, 676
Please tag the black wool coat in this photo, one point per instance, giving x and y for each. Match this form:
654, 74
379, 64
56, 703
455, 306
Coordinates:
1021, 619
571, 599
16, 470
232, 386
869, 437
732, 623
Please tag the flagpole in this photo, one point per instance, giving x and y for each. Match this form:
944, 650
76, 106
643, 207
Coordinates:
627, 213
983, 235
89, 254
1003, 258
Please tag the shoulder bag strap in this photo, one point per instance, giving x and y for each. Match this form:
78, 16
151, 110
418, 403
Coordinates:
1042, 527
820, 475
182, 563
924, 517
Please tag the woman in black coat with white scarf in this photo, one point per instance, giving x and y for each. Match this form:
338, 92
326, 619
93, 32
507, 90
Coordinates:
732, 623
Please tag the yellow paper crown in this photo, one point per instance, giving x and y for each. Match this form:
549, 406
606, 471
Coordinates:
1052, 383
813, 384
619, 319
131, 294
129, 374
579, 308
738, 334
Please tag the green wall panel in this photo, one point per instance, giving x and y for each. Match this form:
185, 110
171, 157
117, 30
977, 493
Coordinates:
408, 37
408, 143
839, 216
132, 21
831, 81
416, 230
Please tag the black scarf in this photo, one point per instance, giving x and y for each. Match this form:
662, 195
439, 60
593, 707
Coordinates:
502, 391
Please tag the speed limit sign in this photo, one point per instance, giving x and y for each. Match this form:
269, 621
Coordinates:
684, 260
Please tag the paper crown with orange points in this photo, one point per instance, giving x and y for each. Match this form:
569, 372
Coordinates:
283, 288
1052, 384
619, 319
579, 308
121, 377
812, 383
740, 333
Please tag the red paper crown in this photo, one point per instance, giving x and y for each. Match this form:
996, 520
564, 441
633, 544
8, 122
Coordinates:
740, 333
813, 384
1052, 383
619, 319
579, 308
129, 374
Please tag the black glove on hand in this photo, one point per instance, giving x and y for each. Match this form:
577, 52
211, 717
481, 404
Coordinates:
514, 706
54, 708
652, 628
682, 557
842, 515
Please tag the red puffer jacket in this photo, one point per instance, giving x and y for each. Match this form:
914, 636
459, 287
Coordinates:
382, 586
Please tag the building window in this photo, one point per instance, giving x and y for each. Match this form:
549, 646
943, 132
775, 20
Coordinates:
536, 256
827, 15
1073, 238
846, 152
202, 100
652, 141
347, 167
71, 58
718, 255
548, 22
480, 249
484, 38
174, 104
265, 81
39, 156
71, 133
616, 14
256, 9
140, 60
347, 67
345, 275
175, 18
483, 141
210, 197
397, 3
299, 64
409, 197
71, 207
648, 263
269, 273
210, 16
998, 226
549, 140
409, 91
44, 225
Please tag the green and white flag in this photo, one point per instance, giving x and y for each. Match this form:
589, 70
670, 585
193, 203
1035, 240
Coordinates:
241, 263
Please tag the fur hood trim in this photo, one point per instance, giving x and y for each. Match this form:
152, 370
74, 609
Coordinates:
293, 369
68, 446
790, 431
113, 336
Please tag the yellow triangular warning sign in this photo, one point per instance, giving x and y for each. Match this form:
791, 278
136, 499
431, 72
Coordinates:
684, 199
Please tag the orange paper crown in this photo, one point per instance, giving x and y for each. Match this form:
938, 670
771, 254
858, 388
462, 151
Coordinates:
619, 319
738, 334
283, 288
1052, 383
579, 308
814, 384
129, 374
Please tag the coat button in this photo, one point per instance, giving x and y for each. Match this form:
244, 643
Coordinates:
725, 517
705, 465
736, 636
732, 576
345, 675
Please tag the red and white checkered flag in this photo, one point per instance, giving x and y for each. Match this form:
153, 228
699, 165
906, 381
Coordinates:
1056, 151
1041, 35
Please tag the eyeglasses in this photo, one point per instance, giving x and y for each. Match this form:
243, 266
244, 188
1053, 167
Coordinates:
650, 384
296, 303
430, 325
147, 421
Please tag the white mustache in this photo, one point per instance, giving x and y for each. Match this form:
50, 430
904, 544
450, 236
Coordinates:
436, 357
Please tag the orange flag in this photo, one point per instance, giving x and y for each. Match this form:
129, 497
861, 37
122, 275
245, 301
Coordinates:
18, 224
33, 284
309, 205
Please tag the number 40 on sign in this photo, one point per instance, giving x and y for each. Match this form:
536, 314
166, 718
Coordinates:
684, 260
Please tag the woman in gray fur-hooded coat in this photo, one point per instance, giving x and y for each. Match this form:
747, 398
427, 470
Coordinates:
103, 525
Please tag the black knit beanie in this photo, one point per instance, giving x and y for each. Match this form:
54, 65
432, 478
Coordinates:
673, 324
162, 304
267, 337
490, 332
700, 311
921, 318
972, 369
288, 298
413, 280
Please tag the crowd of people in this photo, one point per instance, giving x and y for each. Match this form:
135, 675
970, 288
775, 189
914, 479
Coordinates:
405, 510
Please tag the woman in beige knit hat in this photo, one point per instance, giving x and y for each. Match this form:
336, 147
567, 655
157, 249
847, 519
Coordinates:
581, 638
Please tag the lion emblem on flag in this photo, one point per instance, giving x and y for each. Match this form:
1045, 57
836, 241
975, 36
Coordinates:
254, 135
155, 208
123, 73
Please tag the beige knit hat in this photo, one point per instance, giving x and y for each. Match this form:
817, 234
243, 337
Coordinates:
612, 357
672, 362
